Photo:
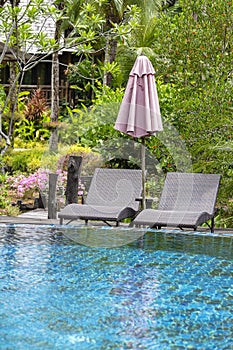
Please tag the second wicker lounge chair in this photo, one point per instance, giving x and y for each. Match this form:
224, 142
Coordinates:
187, 201
111, 197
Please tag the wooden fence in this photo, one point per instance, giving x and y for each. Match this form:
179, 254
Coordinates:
66, 95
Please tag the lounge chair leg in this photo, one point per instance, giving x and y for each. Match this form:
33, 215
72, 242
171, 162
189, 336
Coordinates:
86, 222
107, 223
212, 226
61, 221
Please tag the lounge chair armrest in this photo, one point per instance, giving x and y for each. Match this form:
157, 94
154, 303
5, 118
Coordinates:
149, 201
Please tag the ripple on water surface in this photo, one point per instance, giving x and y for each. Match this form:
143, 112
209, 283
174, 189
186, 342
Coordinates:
163, 291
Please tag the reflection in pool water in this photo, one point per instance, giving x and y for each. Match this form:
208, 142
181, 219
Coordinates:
164, 291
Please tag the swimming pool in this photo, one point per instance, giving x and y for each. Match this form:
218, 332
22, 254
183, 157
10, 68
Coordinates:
164, 291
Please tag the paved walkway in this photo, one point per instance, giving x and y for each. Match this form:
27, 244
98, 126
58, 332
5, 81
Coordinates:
36, 216
40, 217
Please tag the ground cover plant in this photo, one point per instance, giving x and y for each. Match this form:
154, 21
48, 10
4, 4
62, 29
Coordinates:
26, 174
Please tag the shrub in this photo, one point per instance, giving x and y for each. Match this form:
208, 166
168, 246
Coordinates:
36, 155
90, 161
28, 187
23, 160
3, 202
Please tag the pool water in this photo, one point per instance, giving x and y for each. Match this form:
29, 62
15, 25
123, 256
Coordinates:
164, 291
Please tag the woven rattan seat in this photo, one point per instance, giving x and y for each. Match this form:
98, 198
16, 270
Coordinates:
111, 197
187, 201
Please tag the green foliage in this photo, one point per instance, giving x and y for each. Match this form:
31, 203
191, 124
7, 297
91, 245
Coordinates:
18, 21
82, 77
94, 128
191, 51
2, 95
12, 210
193, 61
29, 119
104, 95
81, 125
75, 123
86, 76
39, 157
3, 202
36, 106
90, 159
24, 160
4, 196
34, 114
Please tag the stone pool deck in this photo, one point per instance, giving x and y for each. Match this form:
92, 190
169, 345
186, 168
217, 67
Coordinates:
40, 217
33, 217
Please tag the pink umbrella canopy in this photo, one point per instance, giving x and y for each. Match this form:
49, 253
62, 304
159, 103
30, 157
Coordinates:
139, 115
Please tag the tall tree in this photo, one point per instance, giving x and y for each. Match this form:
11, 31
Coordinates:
55, 84
17, 24
194, 62
114, 13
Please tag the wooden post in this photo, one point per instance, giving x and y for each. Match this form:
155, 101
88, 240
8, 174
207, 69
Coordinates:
52, 203
74, 169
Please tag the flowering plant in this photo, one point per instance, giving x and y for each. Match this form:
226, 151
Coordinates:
27, 186
30, 186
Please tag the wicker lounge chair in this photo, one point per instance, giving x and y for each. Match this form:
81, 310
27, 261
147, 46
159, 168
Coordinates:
187, 201
111, 197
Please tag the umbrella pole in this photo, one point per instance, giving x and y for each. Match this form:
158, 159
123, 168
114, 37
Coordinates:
143, 163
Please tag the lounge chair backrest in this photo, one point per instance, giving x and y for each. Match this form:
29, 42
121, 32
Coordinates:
115, 187
190, 192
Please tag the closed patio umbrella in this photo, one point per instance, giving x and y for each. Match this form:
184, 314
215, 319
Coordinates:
139, 115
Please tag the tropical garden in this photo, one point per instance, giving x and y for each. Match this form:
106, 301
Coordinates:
189, 43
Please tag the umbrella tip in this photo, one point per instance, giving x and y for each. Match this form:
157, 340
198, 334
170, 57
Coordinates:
142, 54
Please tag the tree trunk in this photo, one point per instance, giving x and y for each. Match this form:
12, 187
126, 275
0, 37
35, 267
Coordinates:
53, 142
110, 55
13, 100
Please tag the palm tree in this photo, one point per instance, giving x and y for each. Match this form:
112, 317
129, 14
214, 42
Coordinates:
72, 12
114, 12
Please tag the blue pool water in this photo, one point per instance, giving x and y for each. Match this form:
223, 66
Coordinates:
164, 291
